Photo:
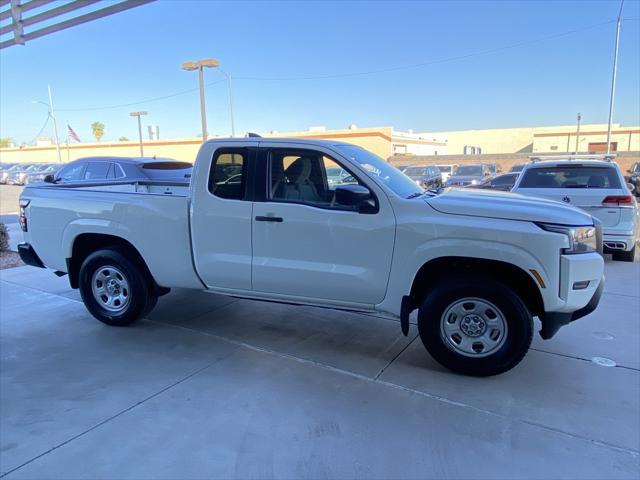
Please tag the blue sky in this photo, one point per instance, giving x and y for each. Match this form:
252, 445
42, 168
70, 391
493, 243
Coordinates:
298, 65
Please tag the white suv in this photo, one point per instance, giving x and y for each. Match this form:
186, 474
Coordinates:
593, 183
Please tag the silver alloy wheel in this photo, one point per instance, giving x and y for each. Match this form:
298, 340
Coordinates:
473, 327
110, 288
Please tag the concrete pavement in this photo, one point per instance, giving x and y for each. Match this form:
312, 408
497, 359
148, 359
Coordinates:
213, 387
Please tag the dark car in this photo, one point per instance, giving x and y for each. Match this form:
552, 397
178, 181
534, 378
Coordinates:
634, 178
504, 182
466, 175
517, 168
427, 176
97, 169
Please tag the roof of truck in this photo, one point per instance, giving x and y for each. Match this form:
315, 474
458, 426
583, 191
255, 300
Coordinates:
305, 141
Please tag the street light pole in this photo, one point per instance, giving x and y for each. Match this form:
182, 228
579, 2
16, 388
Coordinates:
203, 109
578, 132
139, 114
200, 65
613, 77
55, 125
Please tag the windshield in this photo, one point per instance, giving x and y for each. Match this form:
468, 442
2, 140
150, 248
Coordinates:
571, 176
389, 175
469, 170
444, 168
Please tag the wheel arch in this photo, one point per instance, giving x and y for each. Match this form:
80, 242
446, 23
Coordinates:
504, 272
85, 244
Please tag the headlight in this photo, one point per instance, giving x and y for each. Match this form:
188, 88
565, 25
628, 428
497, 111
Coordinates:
475, 182
581, 239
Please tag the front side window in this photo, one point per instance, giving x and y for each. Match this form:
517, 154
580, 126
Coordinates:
570, 176
503, 180
384, 172
72, 173
308, 177
227, 178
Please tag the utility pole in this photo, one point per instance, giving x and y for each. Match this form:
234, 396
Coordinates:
139, 114
613, 76
578, 133
55, 126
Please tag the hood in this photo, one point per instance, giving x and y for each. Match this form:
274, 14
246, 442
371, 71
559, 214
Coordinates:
507, 205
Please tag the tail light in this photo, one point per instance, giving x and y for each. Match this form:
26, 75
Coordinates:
617, 200
24, 203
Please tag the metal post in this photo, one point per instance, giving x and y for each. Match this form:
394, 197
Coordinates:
203, 112
613, 77
140, 135
233, 126
578, 133
55, 126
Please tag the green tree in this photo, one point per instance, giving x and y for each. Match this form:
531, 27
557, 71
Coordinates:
4, 142
98, 130
123, 139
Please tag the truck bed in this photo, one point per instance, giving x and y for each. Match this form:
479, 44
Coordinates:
153, 216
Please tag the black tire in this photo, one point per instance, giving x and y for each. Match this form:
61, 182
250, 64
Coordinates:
624, 256
501, 356
135, 287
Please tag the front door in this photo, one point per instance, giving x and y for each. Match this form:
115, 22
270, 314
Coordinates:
307, 245
221, 220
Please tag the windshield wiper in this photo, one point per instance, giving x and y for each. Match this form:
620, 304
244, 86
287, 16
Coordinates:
416, 194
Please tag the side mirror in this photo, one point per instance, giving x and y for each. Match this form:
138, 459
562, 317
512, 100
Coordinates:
49, 178
353, 196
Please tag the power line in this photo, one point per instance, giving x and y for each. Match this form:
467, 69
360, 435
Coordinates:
148, 100
433, 62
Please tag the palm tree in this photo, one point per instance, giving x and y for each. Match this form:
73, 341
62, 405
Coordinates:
98, 130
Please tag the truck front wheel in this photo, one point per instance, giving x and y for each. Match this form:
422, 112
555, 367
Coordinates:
114, 288
475, 326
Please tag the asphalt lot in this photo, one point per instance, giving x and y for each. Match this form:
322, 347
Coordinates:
213, 387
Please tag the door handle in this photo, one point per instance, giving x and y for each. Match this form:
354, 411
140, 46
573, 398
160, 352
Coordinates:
261, 218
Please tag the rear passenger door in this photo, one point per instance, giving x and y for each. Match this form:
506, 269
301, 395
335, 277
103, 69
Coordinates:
221, 219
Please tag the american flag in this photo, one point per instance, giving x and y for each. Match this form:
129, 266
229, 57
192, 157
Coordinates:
72, 134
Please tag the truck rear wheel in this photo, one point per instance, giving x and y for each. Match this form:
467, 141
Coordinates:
475, 326
115, 289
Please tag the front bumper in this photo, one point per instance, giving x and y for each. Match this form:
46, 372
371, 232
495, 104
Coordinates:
29, 256
553, 321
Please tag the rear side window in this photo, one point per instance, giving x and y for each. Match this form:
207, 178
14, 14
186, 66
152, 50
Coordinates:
570, 176
97, 171
227, 178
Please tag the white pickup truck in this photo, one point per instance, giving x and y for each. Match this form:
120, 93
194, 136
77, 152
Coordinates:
259, 219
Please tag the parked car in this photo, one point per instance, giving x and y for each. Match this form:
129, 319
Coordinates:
40, 174
494, 168
8, 171
504, 182
466, 175
97, 169
19, 176
477, 265
446, 171
517, 168
594, 185
634, 178
427, 176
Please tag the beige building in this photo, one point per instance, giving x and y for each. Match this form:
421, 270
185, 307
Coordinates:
592, 138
